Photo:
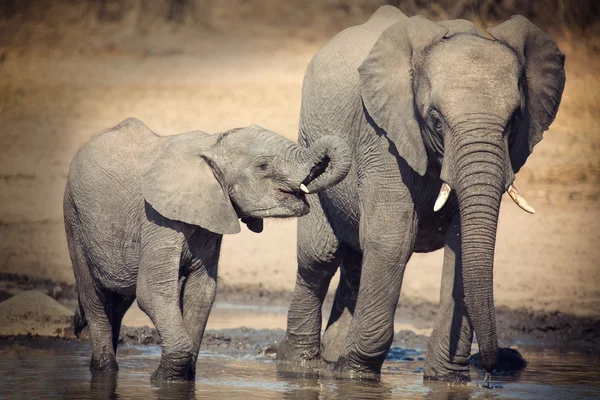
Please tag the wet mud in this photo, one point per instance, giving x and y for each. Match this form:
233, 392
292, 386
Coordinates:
552, 356
554, 330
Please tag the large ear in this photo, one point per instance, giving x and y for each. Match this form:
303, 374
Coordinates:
181, 185
544, 66
386, 84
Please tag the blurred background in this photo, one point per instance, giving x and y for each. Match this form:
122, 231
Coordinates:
71, 68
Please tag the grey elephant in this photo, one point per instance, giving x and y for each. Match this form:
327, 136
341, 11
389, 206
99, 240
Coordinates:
434, 113
145, 214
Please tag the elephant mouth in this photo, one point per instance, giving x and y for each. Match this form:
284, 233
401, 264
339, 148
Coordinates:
295, 195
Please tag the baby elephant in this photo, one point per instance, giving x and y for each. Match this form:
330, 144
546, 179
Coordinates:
145, 214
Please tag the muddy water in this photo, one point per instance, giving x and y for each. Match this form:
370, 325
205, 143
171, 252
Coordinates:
60, 370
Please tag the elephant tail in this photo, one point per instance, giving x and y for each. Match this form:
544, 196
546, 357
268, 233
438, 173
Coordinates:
79, 319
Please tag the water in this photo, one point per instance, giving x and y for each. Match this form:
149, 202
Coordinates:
32, 370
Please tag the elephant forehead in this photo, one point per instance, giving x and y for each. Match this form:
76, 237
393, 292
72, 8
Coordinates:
244, 146
473, 68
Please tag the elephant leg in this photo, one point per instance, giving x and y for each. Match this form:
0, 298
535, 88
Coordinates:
318, 258
387, 245
94, 303
449, 347
342, 310
197, 297
158, 296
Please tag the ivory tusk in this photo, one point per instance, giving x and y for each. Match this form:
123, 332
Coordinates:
520, 201
442, 197
304, 188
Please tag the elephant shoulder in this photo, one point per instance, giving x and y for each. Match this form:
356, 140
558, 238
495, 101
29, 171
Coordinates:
349, 47
458, 26
125, 136
114, 153
331, 80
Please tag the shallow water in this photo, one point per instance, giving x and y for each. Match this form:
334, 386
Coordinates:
60, 370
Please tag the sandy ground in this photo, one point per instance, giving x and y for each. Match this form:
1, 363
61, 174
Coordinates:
53, 99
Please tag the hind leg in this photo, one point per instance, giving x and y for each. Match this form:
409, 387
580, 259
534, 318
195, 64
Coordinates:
342, 310
318, 258
93, 302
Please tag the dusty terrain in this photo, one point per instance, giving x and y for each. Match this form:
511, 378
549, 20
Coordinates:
58, 88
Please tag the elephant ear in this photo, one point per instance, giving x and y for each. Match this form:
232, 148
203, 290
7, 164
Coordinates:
544, 82
181, 185
386, 84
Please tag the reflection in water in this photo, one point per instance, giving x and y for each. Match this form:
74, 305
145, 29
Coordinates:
104, 385
175, 390
435, 390
323, 384
60, 370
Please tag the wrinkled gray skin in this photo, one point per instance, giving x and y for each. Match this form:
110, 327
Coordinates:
145, 215
420, 103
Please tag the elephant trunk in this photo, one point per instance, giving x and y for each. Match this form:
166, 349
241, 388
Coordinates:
324, 164
480, 180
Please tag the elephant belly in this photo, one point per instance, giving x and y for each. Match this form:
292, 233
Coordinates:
115, 266
431, 234
111, 242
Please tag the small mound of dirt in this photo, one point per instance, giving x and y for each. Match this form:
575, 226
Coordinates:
33, 312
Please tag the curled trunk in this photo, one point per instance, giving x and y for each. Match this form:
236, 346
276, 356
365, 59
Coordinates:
480, 182
324, 164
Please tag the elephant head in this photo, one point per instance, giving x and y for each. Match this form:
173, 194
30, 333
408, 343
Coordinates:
474, 108
248, 173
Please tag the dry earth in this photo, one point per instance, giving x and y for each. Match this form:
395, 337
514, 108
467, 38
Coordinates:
55, 94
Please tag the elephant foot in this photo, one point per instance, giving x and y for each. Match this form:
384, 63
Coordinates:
104, 363
446, 372
169, 374
345, 368
305, 355
175, 366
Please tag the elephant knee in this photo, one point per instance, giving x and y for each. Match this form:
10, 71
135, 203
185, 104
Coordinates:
144, 301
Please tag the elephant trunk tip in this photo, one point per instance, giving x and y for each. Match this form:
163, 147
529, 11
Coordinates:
330, 160
489, 359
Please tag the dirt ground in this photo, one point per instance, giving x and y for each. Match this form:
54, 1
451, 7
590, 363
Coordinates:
56, 92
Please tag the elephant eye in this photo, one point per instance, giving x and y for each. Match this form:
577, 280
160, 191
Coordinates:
437, 123
262, 166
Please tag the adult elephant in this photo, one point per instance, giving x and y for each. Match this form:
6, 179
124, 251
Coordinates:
435, 114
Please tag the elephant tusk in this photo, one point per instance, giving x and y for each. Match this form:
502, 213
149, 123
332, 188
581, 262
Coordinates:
520, 201
442, 197
304, 188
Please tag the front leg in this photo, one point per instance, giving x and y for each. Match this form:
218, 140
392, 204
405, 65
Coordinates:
387, 232
318, 257
449, 347
198, 294
158, 297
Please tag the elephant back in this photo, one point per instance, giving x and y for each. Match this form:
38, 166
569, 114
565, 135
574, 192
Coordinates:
331, 82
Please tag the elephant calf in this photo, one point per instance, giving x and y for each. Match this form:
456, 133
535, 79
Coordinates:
145, 214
